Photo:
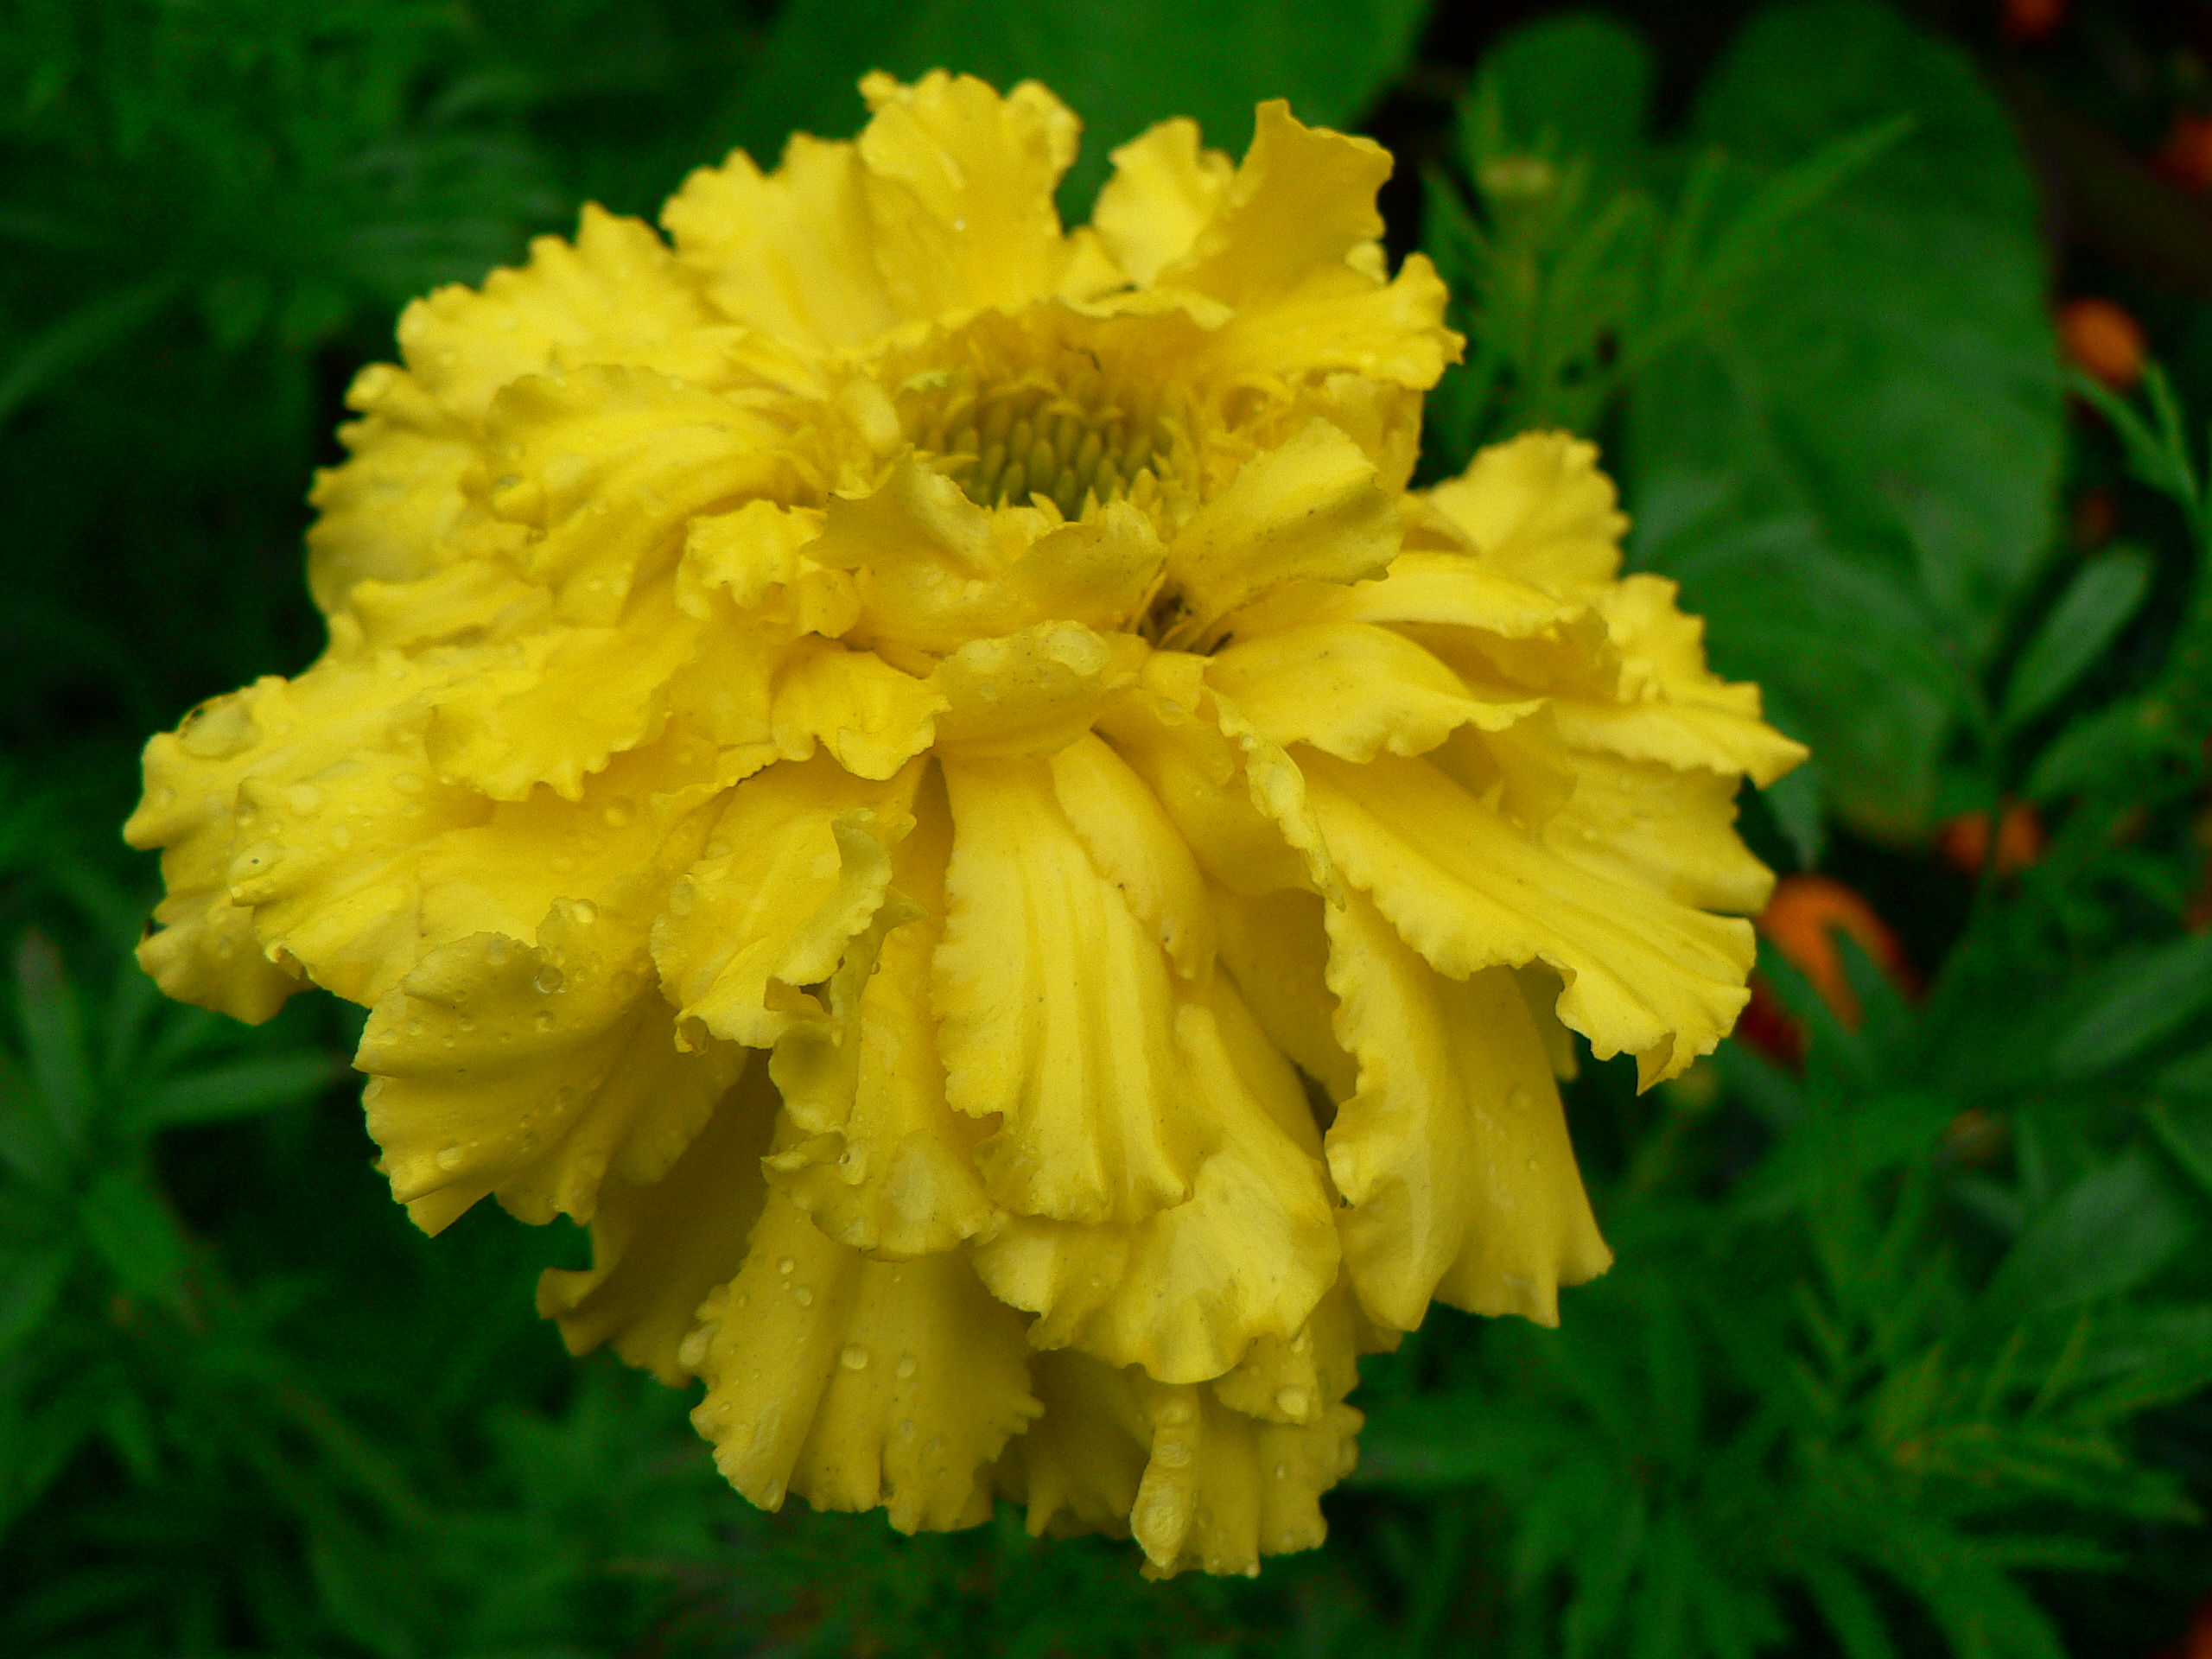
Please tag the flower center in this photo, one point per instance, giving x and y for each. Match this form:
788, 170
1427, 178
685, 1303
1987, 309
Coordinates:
1067, 436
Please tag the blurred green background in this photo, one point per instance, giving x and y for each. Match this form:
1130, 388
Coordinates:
1910, 1348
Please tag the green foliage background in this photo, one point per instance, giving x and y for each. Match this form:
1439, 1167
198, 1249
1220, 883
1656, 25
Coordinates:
1910, 1348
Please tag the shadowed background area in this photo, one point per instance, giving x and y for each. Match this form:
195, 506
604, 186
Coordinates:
1909, 1347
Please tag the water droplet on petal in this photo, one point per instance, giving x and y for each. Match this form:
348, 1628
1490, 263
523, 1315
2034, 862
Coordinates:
785, 1266
905, 1367
853, 1358
1292, 1401
803, 1296
448, 1157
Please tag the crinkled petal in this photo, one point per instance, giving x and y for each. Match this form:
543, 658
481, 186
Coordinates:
854, 1383
1166, 189
557, 706
606, 465
1238, 799
790, 253
961, 191
1644, 973
1538, 510
389, 510
615, 296
1453, 1154
1185, 1292
1085, 1070
1030, 694
793, 871
1673, 709
1277, 951
657, 1250
870, 1148
870, 716
531, 1071
1310, 509
1352, 689
1133, 844
1675, 829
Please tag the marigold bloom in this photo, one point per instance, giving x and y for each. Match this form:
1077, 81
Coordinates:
925, 776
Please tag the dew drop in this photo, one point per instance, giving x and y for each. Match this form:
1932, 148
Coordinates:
785, 1266
1294, 1402
550, 980
1282, 1472
448, 1158
544, 1020
1176, 1413
1172, 1455
584, 912
618, 814
803, 1296
853, 1358
936, 1444
905, 1367
495, 952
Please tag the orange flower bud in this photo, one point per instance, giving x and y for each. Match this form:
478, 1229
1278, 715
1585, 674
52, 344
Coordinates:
1803, 918
1964, 840
2032, 20
2186, 156
2103, 340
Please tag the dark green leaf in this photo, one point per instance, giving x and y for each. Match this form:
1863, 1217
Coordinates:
29, 1282
137, 1237
1575, 84
2117, 1226
233, 1090
2132, 1004
92, 327
1853, 478
53, 1037
2099, 601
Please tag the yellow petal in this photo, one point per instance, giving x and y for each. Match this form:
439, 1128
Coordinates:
1301, 203
608, 464
657, 1250
1185, 1292
471, 602
1164, 191
1201, 1485
1352, 689
386, 511
1098, 572
854, 1383
1673, 709
790, 253
332, 813
961, 191
1238, 799
1539, 511
794, 871
926, 562
1033, 693
615, 295
1135, 845
558, 705
531, 1071
1422, 586
1277, 951
870, 716
1311, 509
1296, 1379
870, 1149
1454, 1154
1084, 1069
1674, 829
754, 558
1644, 973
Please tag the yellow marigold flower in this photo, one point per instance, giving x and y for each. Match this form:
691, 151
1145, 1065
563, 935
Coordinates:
925, 776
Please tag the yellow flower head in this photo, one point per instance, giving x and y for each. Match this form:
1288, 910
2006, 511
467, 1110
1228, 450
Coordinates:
925, 776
